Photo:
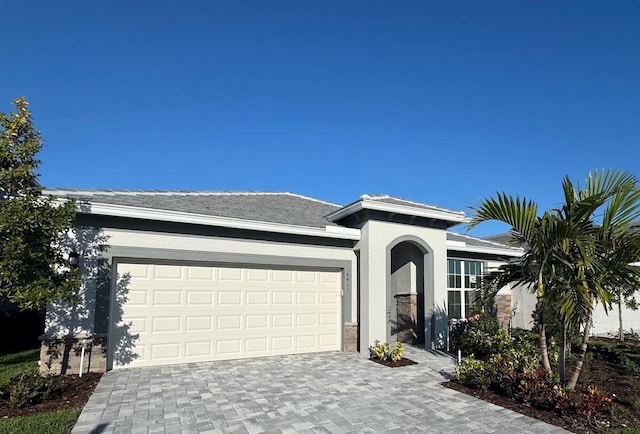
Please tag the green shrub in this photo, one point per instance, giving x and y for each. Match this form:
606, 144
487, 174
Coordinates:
479, 335
475, 373
382, 351
540, 389
618, 353
29, 388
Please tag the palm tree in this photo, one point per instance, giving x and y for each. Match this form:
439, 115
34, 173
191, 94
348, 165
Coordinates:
542, 235
613, 246
570, 260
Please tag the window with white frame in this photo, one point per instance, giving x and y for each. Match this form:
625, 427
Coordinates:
463, 278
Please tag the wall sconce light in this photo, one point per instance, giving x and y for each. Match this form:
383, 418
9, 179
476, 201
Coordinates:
74, 259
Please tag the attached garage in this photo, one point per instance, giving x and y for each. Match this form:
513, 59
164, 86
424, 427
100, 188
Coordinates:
168, 313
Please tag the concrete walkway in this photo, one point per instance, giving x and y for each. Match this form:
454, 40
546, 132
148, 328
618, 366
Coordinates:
311, 393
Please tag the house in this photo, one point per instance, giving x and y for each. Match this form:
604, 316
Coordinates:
174, 277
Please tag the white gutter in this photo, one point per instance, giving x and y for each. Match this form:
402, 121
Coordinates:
452, 216
226, 222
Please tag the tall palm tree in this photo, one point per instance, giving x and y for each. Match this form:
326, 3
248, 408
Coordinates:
542, 235
568, 259
612, 248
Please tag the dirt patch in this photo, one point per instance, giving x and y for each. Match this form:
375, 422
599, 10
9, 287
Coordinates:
623, 411
402, 362
70, 391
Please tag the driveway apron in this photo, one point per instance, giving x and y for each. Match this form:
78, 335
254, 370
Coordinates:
310, 393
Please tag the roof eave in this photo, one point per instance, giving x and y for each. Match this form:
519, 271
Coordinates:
207, 220
455, 217
506, 251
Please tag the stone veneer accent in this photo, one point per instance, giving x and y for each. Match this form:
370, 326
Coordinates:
503, 309
61, 355
407, 327
350, 337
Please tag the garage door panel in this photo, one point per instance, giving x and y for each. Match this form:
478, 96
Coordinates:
202, 348
257, 346
179, 314
258, 275
196, 323
230, 298
200, 273
167, 272
257, 298
197, 298
166, 324
325, 277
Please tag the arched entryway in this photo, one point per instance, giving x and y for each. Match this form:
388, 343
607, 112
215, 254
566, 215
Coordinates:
405, 309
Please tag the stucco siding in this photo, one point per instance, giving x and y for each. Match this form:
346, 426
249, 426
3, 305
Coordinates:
608, 324
375, 245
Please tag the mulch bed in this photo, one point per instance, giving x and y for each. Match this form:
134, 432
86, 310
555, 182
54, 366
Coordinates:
624, 410
402, 362
569, 423
71, 391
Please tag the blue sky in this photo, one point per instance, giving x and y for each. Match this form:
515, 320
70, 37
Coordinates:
444, 102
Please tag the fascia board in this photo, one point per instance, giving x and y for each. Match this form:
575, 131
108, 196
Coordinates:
478, 249
200, 219
452, 216
343, 212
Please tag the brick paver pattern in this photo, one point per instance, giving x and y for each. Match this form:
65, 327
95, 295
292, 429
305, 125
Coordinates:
311, 393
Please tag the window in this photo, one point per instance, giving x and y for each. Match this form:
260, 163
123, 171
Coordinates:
460, 295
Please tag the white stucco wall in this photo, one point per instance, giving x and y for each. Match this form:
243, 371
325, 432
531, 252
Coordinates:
377, 238
603, 323
608, 324
524, 301
64, 319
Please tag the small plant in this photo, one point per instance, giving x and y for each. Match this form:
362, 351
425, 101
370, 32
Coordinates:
397, 352
29, 388
593, 401
382, 351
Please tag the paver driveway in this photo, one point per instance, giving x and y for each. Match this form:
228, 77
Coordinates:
312, 393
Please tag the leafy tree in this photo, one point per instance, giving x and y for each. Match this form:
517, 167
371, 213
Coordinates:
33, 255
571, 262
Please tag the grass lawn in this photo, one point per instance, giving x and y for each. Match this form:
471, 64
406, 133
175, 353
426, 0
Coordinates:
12, 364
52, 422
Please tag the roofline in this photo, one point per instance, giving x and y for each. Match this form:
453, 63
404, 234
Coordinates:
206, 220
440, 214
454, 245
65, 192
499, 249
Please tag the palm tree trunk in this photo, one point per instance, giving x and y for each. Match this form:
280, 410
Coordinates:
562, 367
620, 329
582, 354
544, 350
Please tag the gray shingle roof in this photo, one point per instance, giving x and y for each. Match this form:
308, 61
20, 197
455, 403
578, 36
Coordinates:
403, 202
478, 242
272, 207
503, 238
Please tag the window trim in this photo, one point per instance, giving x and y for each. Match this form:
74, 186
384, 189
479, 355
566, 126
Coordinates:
462, 290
